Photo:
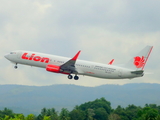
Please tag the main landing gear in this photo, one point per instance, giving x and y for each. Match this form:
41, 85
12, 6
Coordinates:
75, 77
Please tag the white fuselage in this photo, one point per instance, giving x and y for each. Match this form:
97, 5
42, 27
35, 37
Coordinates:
83, 67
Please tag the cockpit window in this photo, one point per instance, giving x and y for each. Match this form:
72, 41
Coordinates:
12, 52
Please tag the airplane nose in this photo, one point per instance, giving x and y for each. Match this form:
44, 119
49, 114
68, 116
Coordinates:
6, 56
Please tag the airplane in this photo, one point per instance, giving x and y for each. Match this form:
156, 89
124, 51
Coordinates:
73, 66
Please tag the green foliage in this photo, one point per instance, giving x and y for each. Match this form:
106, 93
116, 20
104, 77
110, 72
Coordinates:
19, 117
148, 113
90, 113
101, 114
6, 112
128, 113
99, 109
77, 114
46, 118
98, 103
64, 115
48, 114
30, 117
153, 106
113, 116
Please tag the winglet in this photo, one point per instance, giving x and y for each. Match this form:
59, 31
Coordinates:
76, 56
110, 63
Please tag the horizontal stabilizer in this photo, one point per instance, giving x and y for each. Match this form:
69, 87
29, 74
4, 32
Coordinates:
137, 72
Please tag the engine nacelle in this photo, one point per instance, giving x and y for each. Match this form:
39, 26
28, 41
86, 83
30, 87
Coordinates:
53, 68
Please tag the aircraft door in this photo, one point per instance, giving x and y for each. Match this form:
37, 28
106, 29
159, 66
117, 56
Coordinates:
120, 72
19, 55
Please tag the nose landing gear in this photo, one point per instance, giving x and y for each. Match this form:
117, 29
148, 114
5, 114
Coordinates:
16, 66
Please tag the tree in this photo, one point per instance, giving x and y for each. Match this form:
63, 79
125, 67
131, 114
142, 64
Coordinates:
64, 115
148, 113
46, 118
77, 114
100, 114
30, 117
131, 111
113, 116
43, 111
96, 106
90, 114
19, 117
121, 112
48, 112
6, 117
7, 112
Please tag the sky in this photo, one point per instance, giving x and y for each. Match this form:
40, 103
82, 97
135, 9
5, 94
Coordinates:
102, 30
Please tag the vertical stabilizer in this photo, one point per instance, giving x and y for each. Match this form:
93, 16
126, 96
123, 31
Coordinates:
139, 61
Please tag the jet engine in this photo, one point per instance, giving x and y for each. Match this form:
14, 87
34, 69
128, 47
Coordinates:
53, 68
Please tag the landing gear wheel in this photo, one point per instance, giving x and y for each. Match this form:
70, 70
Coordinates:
70, 76
76, 77
15, 66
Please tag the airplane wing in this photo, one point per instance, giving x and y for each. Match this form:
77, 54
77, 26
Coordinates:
69, 66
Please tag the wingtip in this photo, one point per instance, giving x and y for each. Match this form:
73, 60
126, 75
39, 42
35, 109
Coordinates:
76, 56
110, 63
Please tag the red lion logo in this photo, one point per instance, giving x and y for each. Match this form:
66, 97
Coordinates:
139, 61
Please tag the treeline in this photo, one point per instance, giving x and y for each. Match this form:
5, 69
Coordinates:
99, 109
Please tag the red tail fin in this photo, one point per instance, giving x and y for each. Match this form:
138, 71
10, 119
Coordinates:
139, 61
